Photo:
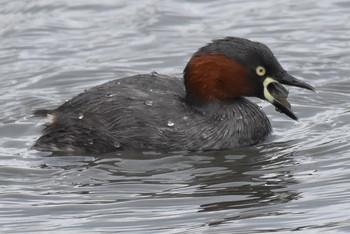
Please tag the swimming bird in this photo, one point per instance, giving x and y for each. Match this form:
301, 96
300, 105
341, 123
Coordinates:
206, 110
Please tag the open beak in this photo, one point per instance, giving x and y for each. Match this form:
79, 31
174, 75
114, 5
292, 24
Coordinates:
276, 94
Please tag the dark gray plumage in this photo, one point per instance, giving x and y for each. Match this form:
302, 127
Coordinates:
204, 111
148, 112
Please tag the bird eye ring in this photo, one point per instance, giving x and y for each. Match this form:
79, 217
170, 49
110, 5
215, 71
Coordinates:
260, 70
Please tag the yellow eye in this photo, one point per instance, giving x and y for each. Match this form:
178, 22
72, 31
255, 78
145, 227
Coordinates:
260, 70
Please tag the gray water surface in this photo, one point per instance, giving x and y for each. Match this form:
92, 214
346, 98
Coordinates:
297, 180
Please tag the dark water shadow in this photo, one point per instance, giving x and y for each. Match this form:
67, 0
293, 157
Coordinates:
220, 186
255, 183
247, 182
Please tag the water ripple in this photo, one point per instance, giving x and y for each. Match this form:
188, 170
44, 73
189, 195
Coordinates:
297, 180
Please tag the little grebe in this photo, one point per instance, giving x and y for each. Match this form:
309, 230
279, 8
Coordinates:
205, 111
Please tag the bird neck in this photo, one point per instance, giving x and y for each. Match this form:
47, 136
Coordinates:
213, 77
